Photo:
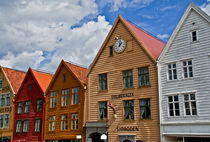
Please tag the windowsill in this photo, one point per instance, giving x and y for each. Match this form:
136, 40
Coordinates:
26, 112
52, 108
63, 107
64, 130
37, 131
146, 119
38, 111
127, 120
74, 104
102, 91
174, 80
104, 120
74, 129
124, 89
194, 41
189, 78
145, 86
51, 131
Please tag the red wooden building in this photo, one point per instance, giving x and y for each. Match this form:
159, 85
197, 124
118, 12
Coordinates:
29, 106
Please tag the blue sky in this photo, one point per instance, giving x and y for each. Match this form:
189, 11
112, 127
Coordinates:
39, 33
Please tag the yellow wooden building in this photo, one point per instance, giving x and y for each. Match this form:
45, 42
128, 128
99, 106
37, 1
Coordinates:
10, 81
122, 96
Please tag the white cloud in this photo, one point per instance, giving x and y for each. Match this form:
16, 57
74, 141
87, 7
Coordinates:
168, 7
117, 4
37, 33
163, 37
206, 7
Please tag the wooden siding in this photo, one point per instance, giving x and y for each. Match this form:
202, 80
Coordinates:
58, 85
182, 48
25, 95
7, 132
113, 66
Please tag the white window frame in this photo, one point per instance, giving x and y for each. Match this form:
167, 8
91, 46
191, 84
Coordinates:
172, 69
190, 103
27, 107
53, 99
25, 126
187, 66
75, 96
173, 102
52, 123
6, 125
37, 125
64, 122
18, 126
7, 103
18, 108
191, 35
64, 97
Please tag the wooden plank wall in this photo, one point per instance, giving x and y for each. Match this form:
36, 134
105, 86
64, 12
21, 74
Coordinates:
113, 66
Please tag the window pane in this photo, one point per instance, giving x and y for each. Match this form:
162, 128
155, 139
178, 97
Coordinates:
186, 97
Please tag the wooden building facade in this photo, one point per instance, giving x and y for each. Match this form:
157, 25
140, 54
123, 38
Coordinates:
183, 71
10, 81
122, 99
64, 119
29, 106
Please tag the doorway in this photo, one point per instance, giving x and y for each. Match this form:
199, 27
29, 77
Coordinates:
96, 137
126, 141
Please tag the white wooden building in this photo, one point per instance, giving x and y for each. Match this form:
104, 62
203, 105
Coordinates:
184, 80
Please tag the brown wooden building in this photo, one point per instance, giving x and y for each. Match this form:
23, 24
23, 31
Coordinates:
65, 104
122, 98
10, 81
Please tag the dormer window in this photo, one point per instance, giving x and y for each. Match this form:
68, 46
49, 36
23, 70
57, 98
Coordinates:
64, 78
29, 87
194, 36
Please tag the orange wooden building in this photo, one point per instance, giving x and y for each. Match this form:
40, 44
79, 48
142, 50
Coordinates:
65, 104
10, 81
122, 99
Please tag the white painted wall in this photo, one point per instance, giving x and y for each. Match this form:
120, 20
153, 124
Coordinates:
183, 48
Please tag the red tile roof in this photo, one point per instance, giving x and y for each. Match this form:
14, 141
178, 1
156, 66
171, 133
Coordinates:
79, 72
15, 77
42, 78
154, 45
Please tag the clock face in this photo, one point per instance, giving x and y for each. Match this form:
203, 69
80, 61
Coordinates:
119, 45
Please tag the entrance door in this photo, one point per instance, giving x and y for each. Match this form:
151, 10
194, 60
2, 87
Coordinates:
96, 137
194, 139
126, 141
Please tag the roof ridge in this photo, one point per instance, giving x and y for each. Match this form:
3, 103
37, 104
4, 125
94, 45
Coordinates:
76, 64
14, 69
146, 32
43, 71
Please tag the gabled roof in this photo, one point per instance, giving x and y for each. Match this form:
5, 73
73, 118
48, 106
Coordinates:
78, 72
151, 45
42, 78
15, 78
190, 7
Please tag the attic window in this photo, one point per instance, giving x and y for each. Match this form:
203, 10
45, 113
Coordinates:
29, 87
194, 36
64, 78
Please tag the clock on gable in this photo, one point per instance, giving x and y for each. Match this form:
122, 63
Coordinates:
119, 45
